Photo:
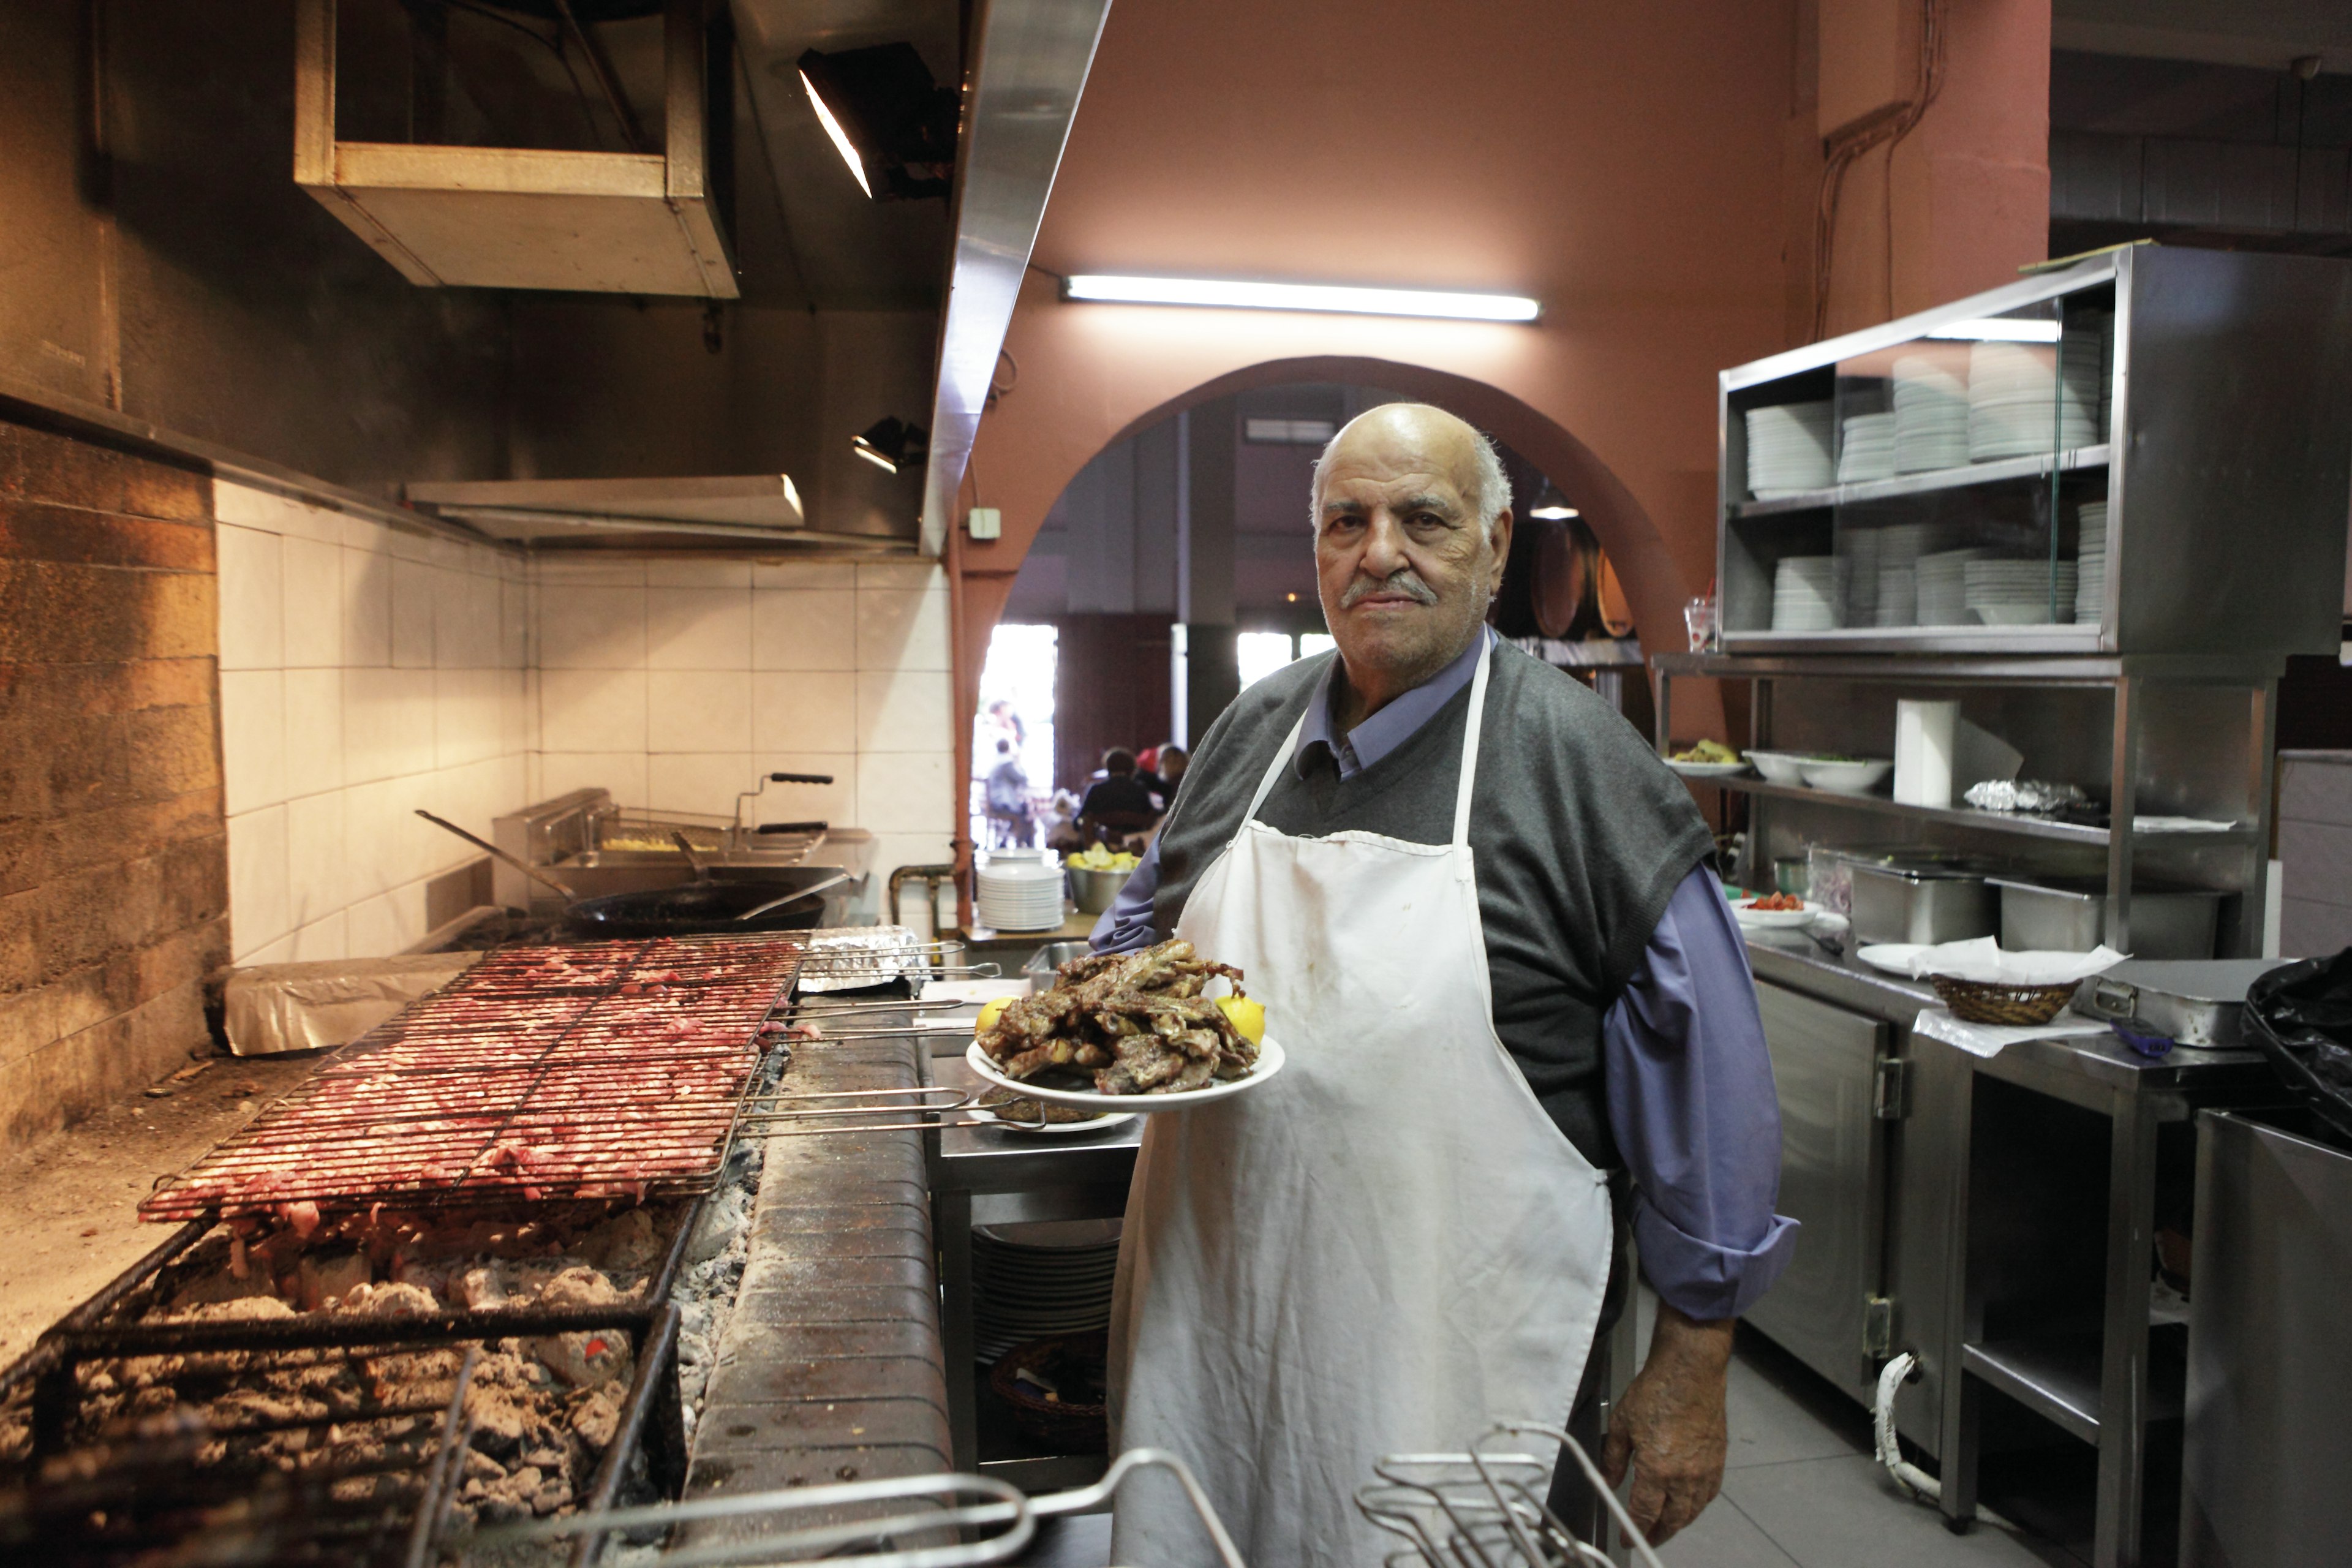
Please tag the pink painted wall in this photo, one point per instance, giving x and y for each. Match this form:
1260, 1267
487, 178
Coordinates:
1632, 167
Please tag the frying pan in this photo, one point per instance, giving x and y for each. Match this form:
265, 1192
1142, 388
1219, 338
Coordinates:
697, 909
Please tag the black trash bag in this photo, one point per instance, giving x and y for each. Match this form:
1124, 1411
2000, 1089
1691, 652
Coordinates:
2301, 1017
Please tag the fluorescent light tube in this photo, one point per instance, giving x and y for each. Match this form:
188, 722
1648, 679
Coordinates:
1999, 330
1129, 290
840, 138
1554, 513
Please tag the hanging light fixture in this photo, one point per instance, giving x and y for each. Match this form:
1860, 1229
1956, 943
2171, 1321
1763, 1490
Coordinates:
1550, 506
891, 444
1116, 288
892, 124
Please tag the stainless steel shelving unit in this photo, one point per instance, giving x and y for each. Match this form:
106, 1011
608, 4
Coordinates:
2223, 455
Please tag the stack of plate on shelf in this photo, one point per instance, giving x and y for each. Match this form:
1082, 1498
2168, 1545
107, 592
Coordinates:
1857, 552
2020, 593
2091, 560
1041, 1278
2014, 408
1943, 586
1931, 415
1019, 890
1900, 545
1787, 449
1868, 450
1807, 592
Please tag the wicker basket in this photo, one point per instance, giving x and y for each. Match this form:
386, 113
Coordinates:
1071, 1362
2017, 1006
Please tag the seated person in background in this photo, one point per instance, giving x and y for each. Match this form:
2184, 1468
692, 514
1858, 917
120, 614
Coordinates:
1119, 800
1164, 772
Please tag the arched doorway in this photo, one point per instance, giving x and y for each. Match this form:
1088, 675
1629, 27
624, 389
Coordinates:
1089, 567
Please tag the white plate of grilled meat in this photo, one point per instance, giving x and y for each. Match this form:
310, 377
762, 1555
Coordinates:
1269, 1062
1133, 1032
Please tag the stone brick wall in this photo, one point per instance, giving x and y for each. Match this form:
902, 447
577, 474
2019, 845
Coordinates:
113, 873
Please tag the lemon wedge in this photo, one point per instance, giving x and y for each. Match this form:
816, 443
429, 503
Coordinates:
989, 1012
1248, 1018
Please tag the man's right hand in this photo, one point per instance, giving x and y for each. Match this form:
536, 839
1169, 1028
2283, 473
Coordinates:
1670, 1425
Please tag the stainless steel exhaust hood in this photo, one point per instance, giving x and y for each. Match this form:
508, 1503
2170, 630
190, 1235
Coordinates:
761, 506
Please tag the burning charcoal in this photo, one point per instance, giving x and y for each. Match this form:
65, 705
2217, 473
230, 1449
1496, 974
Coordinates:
597, 1418
483, 1286
390, 1300
328, 1278
588, 1357
629, 1243
498, 1425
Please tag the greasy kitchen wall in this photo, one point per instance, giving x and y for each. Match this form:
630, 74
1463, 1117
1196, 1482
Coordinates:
365, 671
159, 261
113, 878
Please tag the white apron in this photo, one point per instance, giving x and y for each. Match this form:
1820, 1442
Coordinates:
1385, 1249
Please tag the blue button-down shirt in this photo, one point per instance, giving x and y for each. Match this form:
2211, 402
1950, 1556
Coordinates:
1684, 1060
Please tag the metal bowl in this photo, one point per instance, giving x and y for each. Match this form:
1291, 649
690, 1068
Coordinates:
1095, 891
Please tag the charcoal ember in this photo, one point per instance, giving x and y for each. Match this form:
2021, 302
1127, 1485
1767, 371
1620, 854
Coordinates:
482, 1285
499, 1422
596, 1416
508, 1497
587, 1357
626, 1244
328, 1278
391, 1300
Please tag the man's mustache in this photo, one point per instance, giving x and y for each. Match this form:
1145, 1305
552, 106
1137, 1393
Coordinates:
1404, 580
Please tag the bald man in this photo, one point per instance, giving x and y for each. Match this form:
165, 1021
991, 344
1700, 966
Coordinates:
1518, 1021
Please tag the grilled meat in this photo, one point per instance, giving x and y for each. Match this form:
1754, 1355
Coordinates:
1137, 1021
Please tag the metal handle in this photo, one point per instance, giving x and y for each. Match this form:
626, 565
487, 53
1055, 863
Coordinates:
686, 847
792, 827
808, 892
2116, 995
485, 845
800, 778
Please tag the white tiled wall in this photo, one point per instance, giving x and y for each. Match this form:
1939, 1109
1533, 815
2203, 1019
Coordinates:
364, 672
677, 684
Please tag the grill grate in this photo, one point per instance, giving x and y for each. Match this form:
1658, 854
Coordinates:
603, 1070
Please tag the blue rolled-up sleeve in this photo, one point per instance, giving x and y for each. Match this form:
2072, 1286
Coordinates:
1126, 926
1691, 1102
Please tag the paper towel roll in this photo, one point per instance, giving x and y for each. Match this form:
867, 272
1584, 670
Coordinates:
1924, 748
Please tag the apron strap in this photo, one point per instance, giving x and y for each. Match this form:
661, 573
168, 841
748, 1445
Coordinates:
1283, 753
1470, 746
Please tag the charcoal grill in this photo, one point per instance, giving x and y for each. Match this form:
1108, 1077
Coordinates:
603, 1070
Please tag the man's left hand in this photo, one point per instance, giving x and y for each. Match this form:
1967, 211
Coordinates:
1670, 1425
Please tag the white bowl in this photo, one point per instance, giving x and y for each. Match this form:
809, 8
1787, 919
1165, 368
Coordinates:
1780, 767
1847, 778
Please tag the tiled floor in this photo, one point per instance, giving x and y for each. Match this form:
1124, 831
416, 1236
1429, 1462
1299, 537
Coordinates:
1800, 1489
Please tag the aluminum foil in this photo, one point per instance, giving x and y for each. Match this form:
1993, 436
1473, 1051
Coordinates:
2024, 795
848, 958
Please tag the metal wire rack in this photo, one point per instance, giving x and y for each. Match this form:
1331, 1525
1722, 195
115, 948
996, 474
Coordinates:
608, 1070
1486, 1508
914, 1521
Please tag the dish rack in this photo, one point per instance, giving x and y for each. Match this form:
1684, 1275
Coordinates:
1483, 1508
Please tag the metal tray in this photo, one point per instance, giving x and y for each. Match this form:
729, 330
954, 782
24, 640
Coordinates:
2191, 1001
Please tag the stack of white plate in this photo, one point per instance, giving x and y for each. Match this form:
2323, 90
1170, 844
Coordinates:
1041, 1278
1019, 890
1900, 545
2020, 593
2091, 559
1943, 586
1787, 449
1857, 549
2014, 409
1868, 450
1807, 592
1931, 417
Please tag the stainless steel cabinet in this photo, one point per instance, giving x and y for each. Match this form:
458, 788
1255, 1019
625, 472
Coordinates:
1826, 1066
2268, 1449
